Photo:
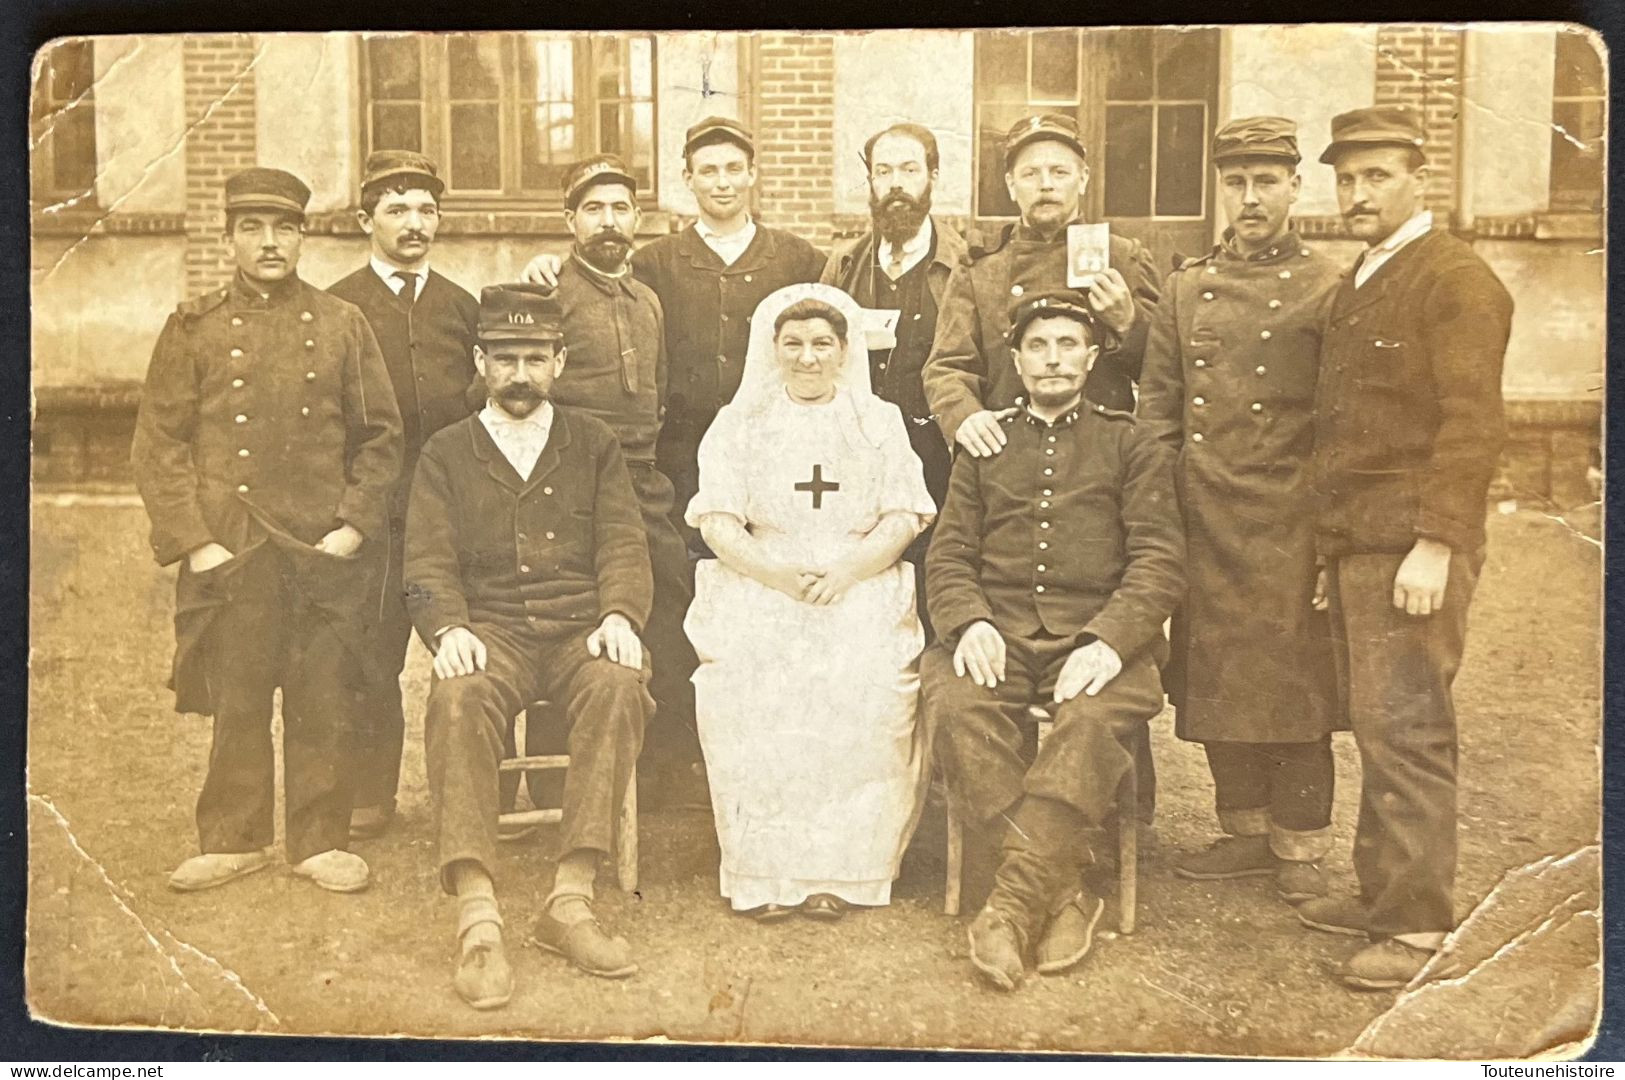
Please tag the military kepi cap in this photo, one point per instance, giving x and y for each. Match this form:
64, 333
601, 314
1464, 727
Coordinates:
520, 312
718, 129
1264, 137
1069, 302
598, 169
391, 167
1052, 126
1376, 125
266, 189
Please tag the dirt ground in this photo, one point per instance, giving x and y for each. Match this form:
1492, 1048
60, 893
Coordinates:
1214, 968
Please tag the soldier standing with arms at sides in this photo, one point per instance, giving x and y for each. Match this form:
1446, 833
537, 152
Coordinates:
709, 279
424, 324
1410, 424
1229, 383
903, 264
266, 448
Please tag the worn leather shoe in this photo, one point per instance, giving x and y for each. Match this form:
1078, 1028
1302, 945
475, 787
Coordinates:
1299, 881
996, 947
1230, 857
1336, 915
1070, 934
206, 871
586, 945
824, 906
336, 871
370, 822
1389, 964
483, 978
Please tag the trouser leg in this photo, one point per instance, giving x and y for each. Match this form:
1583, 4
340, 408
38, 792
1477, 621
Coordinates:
323, 694
1398, 670
673, 737
607, 706
978, 734
1241, 787
244, 648
382, 732
1301, 779
467, 723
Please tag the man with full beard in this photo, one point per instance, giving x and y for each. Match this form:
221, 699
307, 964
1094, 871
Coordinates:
903, 264
424, 323
527, 574
614, 335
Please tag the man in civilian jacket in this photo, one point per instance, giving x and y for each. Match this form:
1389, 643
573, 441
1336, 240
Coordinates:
527, 575
1409, 428
265, 450
424, 323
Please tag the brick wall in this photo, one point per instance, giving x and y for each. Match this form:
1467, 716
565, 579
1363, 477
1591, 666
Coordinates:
219, 79
795, 133
1421, 67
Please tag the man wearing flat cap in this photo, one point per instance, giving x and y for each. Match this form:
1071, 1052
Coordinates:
1409, 428
424, 323
709, 278
615, 338
1229, 384
527, 575
266, 448
1054, 565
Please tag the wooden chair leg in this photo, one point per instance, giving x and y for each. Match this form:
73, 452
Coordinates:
626, 839
1128, 849
955, 868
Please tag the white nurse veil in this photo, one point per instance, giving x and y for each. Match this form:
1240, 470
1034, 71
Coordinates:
761, 384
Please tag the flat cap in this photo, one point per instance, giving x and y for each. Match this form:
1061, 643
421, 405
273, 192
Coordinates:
1052, 126
718, 129
1271, 137
519, 312
1375, 125
266, 189
599, 168
387, 166
1068, 302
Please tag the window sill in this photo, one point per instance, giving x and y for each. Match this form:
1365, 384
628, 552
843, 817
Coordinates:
526, 221
80, 223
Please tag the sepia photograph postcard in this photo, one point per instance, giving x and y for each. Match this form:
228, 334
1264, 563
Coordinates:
1060, 540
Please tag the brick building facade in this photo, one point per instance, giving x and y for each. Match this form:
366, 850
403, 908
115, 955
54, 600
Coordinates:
137, 134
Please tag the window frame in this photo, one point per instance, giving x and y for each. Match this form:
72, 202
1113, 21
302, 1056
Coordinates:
1591, 199
45, 114
435, 112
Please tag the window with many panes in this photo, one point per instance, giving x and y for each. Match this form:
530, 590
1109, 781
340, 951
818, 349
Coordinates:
63, 125
1579, 115
1141, 98
506, 115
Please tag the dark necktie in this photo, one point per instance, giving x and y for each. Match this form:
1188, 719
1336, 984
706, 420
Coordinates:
409, 285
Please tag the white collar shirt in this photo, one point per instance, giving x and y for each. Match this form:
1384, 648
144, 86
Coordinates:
521, 441
1374, 257
727, 246
913, 251
420, 277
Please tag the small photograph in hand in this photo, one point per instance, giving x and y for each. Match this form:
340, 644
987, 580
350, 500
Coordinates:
1088, 252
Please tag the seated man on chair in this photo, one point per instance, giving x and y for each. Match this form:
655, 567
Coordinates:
528, 575
1052, 570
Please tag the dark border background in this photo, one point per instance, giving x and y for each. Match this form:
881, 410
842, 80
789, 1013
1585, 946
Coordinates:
25, 25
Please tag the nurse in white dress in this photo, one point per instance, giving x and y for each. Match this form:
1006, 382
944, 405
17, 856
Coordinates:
805, 623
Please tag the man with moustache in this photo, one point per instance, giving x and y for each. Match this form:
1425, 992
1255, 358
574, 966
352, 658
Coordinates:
709, 278
967, 381
424, 323
265, 451
1410, 425
527, 574
1053, 567
614, 335
903, 264
1229, 384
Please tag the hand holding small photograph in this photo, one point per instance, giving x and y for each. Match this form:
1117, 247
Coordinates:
1088, 252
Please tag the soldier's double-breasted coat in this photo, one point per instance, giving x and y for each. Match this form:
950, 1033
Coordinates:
1229, 383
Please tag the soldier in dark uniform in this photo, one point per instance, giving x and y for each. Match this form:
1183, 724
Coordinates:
903, 264
1053, 568
266, 448
709, 278
1229, 384
1409, 425
614, 335
424, 323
